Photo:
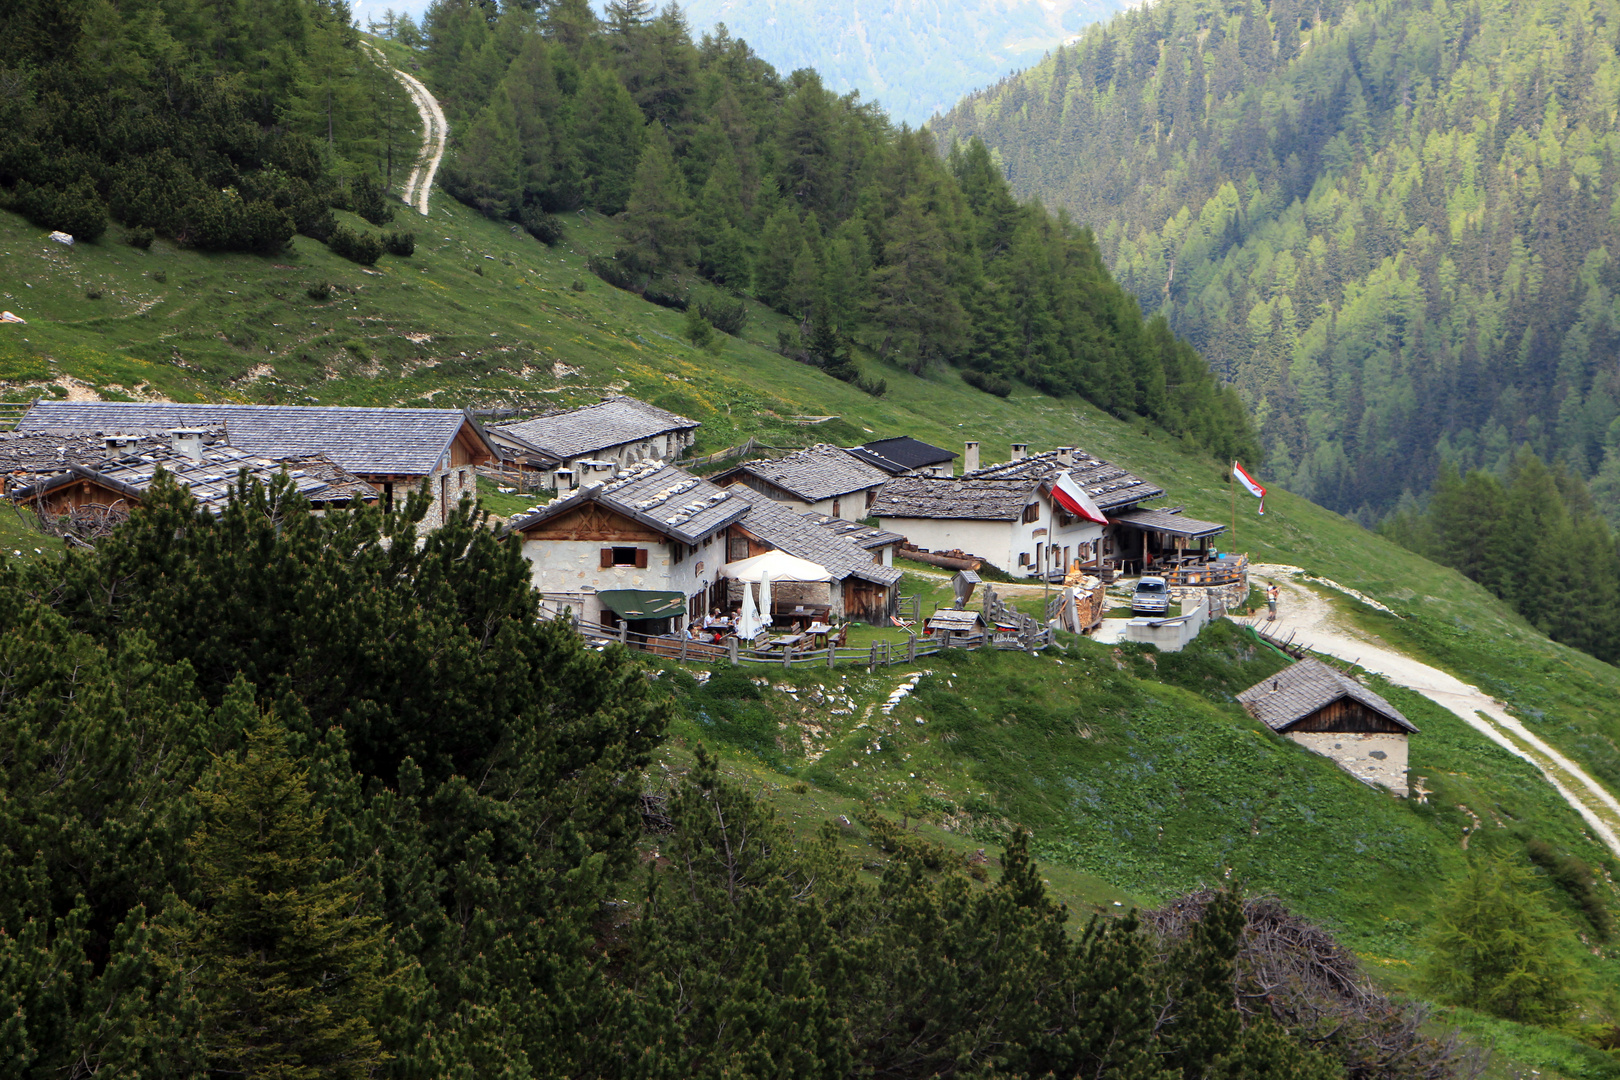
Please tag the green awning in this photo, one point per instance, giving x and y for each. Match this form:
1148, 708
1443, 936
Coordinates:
641, 604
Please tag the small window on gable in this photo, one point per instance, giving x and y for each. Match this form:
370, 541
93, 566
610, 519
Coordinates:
624, 556
737, 549
1032, 513
677, 553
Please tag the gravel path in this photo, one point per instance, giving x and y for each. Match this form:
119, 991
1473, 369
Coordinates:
1312, 620
435, 134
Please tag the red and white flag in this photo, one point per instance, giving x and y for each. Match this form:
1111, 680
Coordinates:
1250, 485
1073, 498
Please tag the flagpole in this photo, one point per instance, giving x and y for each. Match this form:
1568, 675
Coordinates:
1231, 482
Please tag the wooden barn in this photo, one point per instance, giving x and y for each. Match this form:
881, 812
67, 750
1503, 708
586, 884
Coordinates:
1331, 714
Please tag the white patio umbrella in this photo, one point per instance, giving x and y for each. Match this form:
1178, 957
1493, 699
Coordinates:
779, 565
765, 608
747, 618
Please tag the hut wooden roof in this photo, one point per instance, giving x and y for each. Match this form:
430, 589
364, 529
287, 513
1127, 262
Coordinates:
1301, 689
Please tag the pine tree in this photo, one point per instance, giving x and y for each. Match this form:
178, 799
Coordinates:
608, 134
1497, 948
659, 214
285, 968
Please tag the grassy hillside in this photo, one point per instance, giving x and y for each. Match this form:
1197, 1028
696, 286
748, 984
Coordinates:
1138, 773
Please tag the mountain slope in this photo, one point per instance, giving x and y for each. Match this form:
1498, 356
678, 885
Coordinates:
914, 57
1391, 223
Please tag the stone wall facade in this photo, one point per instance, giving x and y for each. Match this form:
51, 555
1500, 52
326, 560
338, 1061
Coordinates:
1376, 758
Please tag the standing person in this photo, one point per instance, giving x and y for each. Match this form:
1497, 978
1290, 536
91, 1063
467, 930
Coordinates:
1271, 603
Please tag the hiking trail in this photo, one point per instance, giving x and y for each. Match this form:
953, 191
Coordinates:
435, 135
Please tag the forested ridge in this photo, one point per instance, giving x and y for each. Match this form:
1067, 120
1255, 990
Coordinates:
1391, 223
226, 126
731, 179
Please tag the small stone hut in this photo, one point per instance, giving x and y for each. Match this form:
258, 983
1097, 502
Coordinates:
1331, 714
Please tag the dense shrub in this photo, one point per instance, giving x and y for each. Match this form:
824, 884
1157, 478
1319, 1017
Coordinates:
544, 227
1578, 880
402, 244
666, 294
361, 247
321, 290
990, 384
140, 236
77, 210
614, 274
726, 314
369, 199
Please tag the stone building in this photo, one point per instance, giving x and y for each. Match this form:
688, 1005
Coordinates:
1331, 714
645, 547
823, 478
570, 448
863, 588
395, 450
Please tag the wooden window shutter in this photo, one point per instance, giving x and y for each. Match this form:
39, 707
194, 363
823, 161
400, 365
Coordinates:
607, 558
641, 558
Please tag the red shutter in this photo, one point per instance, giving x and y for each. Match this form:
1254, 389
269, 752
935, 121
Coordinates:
607, 558
641, 558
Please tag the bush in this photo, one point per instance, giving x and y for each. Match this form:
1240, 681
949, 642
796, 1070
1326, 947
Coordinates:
321, 290
77, 211
726, 314
1578, 881
92, 293
698, 330
614, 274
369, 199
666, 295
990, 384
544, 227
402, 244
160, 276
314, 219
361, 247
578, 285
139, 237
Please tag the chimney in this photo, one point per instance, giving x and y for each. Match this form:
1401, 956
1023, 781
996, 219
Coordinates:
1066, 455
1020, 451
116, 444
188, 442
970, 458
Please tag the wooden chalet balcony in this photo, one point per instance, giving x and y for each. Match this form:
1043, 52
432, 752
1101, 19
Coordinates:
1192, 570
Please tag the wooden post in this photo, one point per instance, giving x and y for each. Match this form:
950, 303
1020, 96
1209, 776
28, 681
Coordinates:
911, 649
787, 656
832, 650
684, 641
731, 649
872, 663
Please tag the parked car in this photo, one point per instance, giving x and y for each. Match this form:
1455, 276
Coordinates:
1152, 597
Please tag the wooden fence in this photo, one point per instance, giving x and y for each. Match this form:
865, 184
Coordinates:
878, 654
721, 455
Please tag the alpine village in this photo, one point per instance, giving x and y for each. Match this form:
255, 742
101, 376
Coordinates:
551, 540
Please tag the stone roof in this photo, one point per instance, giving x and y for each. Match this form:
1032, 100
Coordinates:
211, 481
865, 536
1301, 689
28, 456
614, 421
1108, 484
1169, 521
367, 441
661, 496
956, 620
943, 497
788, 531
902, 454
819, 472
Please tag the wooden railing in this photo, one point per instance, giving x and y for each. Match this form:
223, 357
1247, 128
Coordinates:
877, 654
1214, 572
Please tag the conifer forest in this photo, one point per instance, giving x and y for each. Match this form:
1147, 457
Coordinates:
1391, 224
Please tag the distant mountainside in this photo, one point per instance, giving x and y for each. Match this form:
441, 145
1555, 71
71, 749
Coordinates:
915, 57
1393, 224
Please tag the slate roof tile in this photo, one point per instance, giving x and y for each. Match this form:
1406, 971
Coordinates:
942, 497
818, 472
1107, 483
369, 441
661, 496
569, 433
901, 454
789, 531
1304, 687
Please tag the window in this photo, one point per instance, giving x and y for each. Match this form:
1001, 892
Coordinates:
624, 556
836, 511
1023, 558
737, 548
677, 553
1032, 513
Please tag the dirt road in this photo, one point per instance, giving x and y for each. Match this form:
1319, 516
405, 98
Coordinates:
435, 134
1312, 620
